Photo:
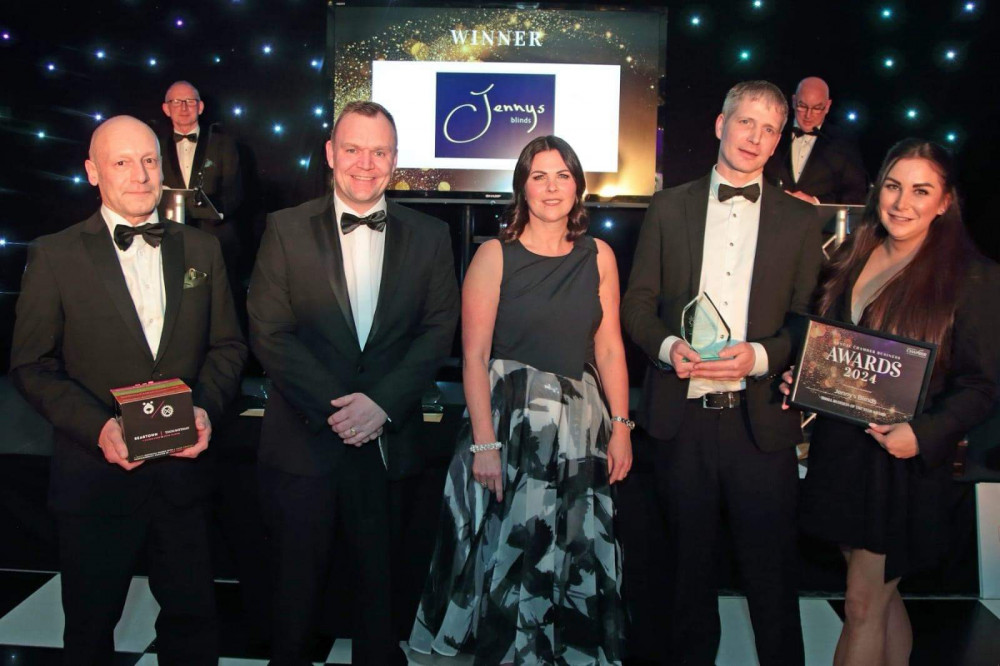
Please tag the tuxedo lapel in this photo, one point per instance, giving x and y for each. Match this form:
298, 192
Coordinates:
695, 212
100, 247
768, 241
172, 254
324, 227
198, 163
172, 175
397, 241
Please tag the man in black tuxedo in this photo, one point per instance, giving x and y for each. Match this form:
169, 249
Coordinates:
353, 304
194, 157
817, 162
116, 300
720, 442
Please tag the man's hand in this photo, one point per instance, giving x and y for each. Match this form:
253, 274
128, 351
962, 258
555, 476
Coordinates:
898, 439
683, 358
113, 446
787, 381
735, 362
798, 194
204, 428
357, 419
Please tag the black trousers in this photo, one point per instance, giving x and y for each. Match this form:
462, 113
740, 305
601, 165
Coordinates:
711, 468
301, 513
98, 554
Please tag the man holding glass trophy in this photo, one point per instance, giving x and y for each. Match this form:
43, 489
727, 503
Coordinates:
720, 266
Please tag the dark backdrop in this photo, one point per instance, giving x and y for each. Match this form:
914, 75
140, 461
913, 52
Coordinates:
220, 47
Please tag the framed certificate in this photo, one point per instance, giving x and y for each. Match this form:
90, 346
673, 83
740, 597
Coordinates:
859, 375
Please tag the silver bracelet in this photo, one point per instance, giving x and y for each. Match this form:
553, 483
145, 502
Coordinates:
621, 419
489, 446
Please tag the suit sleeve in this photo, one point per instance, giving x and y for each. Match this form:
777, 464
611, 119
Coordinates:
853, 177
219, 376
639, 310
780, 348
36, 365
302, 379
971, 384
232, 178
400, 389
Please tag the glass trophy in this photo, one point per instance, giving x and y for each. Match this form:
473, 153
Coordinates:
703, 327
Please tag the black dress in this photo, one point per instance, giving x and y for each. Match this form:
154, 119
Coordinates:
858, 495
534, 579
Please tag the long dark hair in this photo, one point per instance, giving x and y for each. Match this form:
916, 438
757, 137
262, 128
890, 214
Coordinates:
516, 215
919, 301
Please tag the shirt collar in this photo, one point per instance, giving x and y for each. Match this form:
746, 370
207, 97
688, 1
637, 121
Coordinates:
112, 219
717, 178
339, 207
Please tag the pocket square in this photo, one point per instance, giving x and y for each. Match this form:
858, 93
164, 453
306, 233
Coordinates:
193, 277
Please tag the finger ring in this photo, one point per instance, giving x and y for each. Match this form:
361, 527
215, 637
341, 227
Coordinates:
353, 432
482, 483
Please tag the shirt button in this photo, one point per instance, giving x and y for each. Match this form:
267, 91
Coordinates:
730, 245
734, 214
728, 273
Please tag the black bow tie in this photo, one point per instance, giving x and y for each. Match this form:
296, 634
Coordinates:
375, 221
151, 233
192, 137
749, 192
798, 131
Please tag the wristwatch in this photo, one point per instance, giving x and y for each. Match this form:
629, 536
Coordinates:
621, 419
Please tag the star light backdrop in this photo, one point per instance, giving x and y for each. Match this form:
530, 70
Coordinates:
896, 69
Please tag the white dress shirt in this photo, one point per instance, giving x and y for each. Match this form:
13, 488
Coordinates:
363, 250
801, 149
726, 272
185, 154
142, 265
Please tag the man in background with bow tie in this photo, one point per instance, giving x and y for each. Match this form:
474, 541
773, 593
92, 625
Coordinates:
817, 162
353, 304
107, 303
205, 158
719, 441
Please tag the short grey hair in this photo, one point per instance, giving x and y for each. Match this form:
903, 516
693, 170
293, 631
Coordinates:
766, 91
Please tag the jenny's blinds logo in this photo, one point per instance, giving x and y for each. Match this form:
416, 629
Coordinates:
491, 115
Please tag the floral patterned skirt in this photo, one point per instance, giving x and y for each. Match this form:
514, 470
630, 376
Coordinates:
536, 578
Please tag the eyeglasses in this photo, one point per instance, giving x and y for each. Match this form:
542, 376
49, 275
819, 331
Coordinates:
183, 102
819, 108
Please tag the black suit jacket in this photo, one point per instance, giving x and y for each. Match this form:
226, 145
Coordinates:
216, 158
77, 336
665, 276
834, 172
303, 333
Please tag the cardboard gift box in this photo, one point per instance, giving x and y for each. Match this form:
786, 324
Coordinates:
156, 418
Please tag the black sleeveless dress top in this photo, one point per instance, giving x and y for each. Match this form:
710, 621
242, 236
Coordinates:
549, 308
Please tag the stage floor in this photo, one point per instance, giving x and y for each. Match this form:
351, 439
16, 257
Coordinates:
953, 631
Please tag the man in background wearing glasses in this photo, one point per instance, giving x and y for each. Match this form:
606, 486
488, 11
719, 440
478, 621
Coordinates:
204, 158
817, 162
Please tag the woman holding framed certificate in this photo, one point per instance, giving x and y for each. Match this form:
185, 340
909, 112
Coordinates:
878, 490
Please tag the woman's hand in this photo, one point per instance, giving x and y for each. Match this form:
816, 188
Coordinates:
619, 453
486, 471
898, 439
787, 381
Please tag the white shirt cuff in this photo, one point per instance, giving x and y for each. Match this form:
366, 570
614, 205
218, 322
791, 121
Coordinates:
665, 346
760, 360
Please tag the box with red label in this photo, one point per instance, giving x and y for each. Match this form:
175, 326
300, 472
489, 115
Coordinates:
156, 418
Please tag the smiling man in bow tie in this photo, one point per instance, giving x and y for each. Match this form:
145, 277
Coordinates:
720, 442
817, 161
353, 305
203, 158
105, 304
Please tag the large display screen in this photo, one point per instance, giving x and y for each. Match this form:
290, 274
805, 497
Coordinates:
468, 87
